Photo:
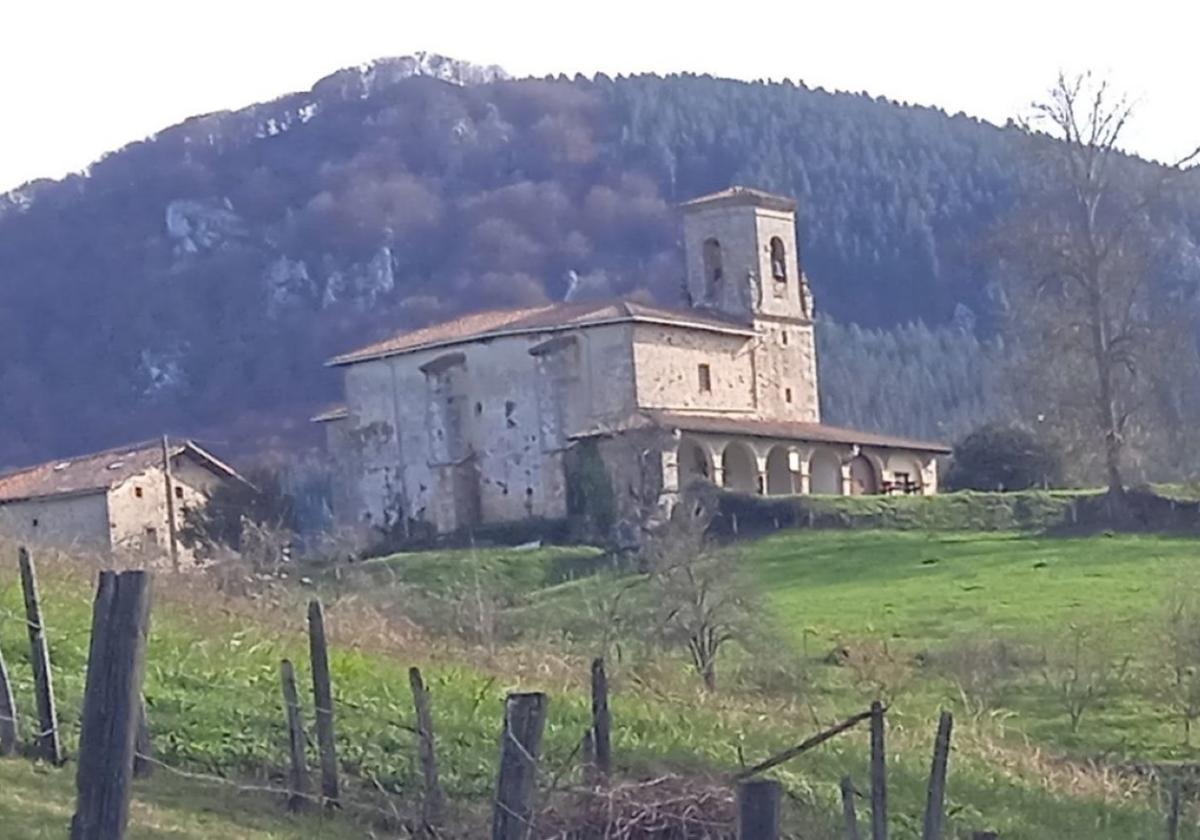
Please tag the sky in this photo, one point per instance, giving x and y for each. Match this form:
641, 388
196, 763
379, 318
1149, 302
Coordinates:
81, 78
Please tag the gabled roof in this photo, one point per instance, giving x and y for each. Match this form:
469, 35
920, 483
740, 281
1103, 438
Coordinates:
742, 196
99, 471
549, 317
753, 427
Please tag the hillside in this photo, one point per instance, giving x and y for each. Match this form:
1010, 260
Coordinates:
212, 687
197, 279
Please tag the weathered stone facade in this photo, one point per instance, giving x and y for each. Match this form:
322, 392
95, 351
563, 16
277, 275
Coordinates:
468, 422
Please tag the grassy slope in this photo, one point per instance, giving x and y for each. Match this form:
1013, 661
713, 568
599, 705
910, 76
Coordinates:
929, 591
213, 693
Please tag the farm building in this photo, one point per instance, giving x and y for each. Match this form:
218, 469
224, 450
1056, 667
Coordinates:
117, 500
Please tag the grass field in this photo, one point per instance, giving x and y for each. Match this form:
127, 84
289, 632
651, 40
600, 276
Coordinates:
212, 683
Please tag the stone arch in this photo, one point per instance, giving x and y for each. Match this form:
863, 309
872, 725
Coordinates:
714, 269
864, 477
778, 259
825, 473
740, 468
694, 462
779, 472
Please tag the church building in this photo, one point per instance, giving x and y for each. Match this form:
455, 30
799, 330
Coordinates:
479, 420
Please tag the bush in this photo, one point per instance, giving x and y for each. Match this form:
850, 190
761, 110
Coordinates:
1003, 457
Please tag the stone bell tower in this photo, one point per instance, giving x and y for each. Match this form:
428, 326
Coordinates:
742, 262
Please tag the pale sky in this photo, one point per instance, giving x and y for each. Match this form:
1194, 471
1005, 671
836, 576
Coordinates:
84, 77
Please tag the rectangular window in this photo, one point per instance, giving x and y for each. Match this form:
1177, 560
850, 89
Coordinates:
705, 374
787, 394
784, 338
178, 492
137, 491
151, 536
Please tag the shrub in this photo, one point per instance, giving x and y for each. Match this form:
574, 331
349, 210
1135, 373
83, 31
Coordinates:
1003, 457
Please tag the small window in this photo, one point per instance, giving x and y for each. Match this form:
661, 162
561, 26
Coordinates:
151, 536
178, 492
787, 394
714, 270
783, 337
35, 522
137, 491
705, 375
778, 260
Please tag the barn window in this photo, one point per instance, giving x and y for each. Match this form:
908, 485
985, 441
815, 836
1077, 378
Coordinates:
137, 491
704, 373
714, 271
787, 394
778, 260
178, 492
783, 337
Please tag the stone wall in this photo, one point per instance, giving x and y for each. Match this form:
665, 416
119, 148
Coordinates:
69, 522
138, 523
517, 400
667, 361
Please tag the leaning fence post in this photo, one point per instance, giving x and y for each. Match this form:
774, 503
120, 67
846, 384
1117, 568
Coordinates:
298, 782
433, 800
935, 801
1173, 814
8, 713
520, 746
323, 701
758, 809
107, 741
601, 719
849, 815
49, 746
879, 828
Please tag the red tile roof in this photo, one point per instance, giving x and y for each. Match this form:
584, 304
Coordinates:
548, 317
98, 471
774, 429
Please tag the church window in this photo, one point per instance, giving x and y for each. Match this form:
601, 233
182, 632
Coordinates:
787, 394
783, 337
705, 377
778, 260
714, 270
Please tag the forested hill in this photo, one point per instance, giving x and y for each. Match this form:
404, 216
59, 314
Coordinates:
197, 280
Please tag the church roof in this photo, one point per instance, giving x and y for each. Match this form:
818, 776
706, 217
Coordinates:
98, 471
548, 317
742, 196
754, 427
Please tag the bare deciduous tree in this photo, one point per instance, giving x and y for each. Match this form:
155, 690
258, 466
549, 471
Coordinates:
1180, 649
1081, 672
702, 595
1093, 330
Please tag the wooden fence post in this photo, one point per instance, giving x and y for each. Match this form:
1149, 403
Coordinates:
433, 800
144, 747
601, 719
935, 801
849, 815
49, 746
758, 809
520, 747
323, 701
879, 826
1173, 814
116, 665
299, 786
8, 713
588, 748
